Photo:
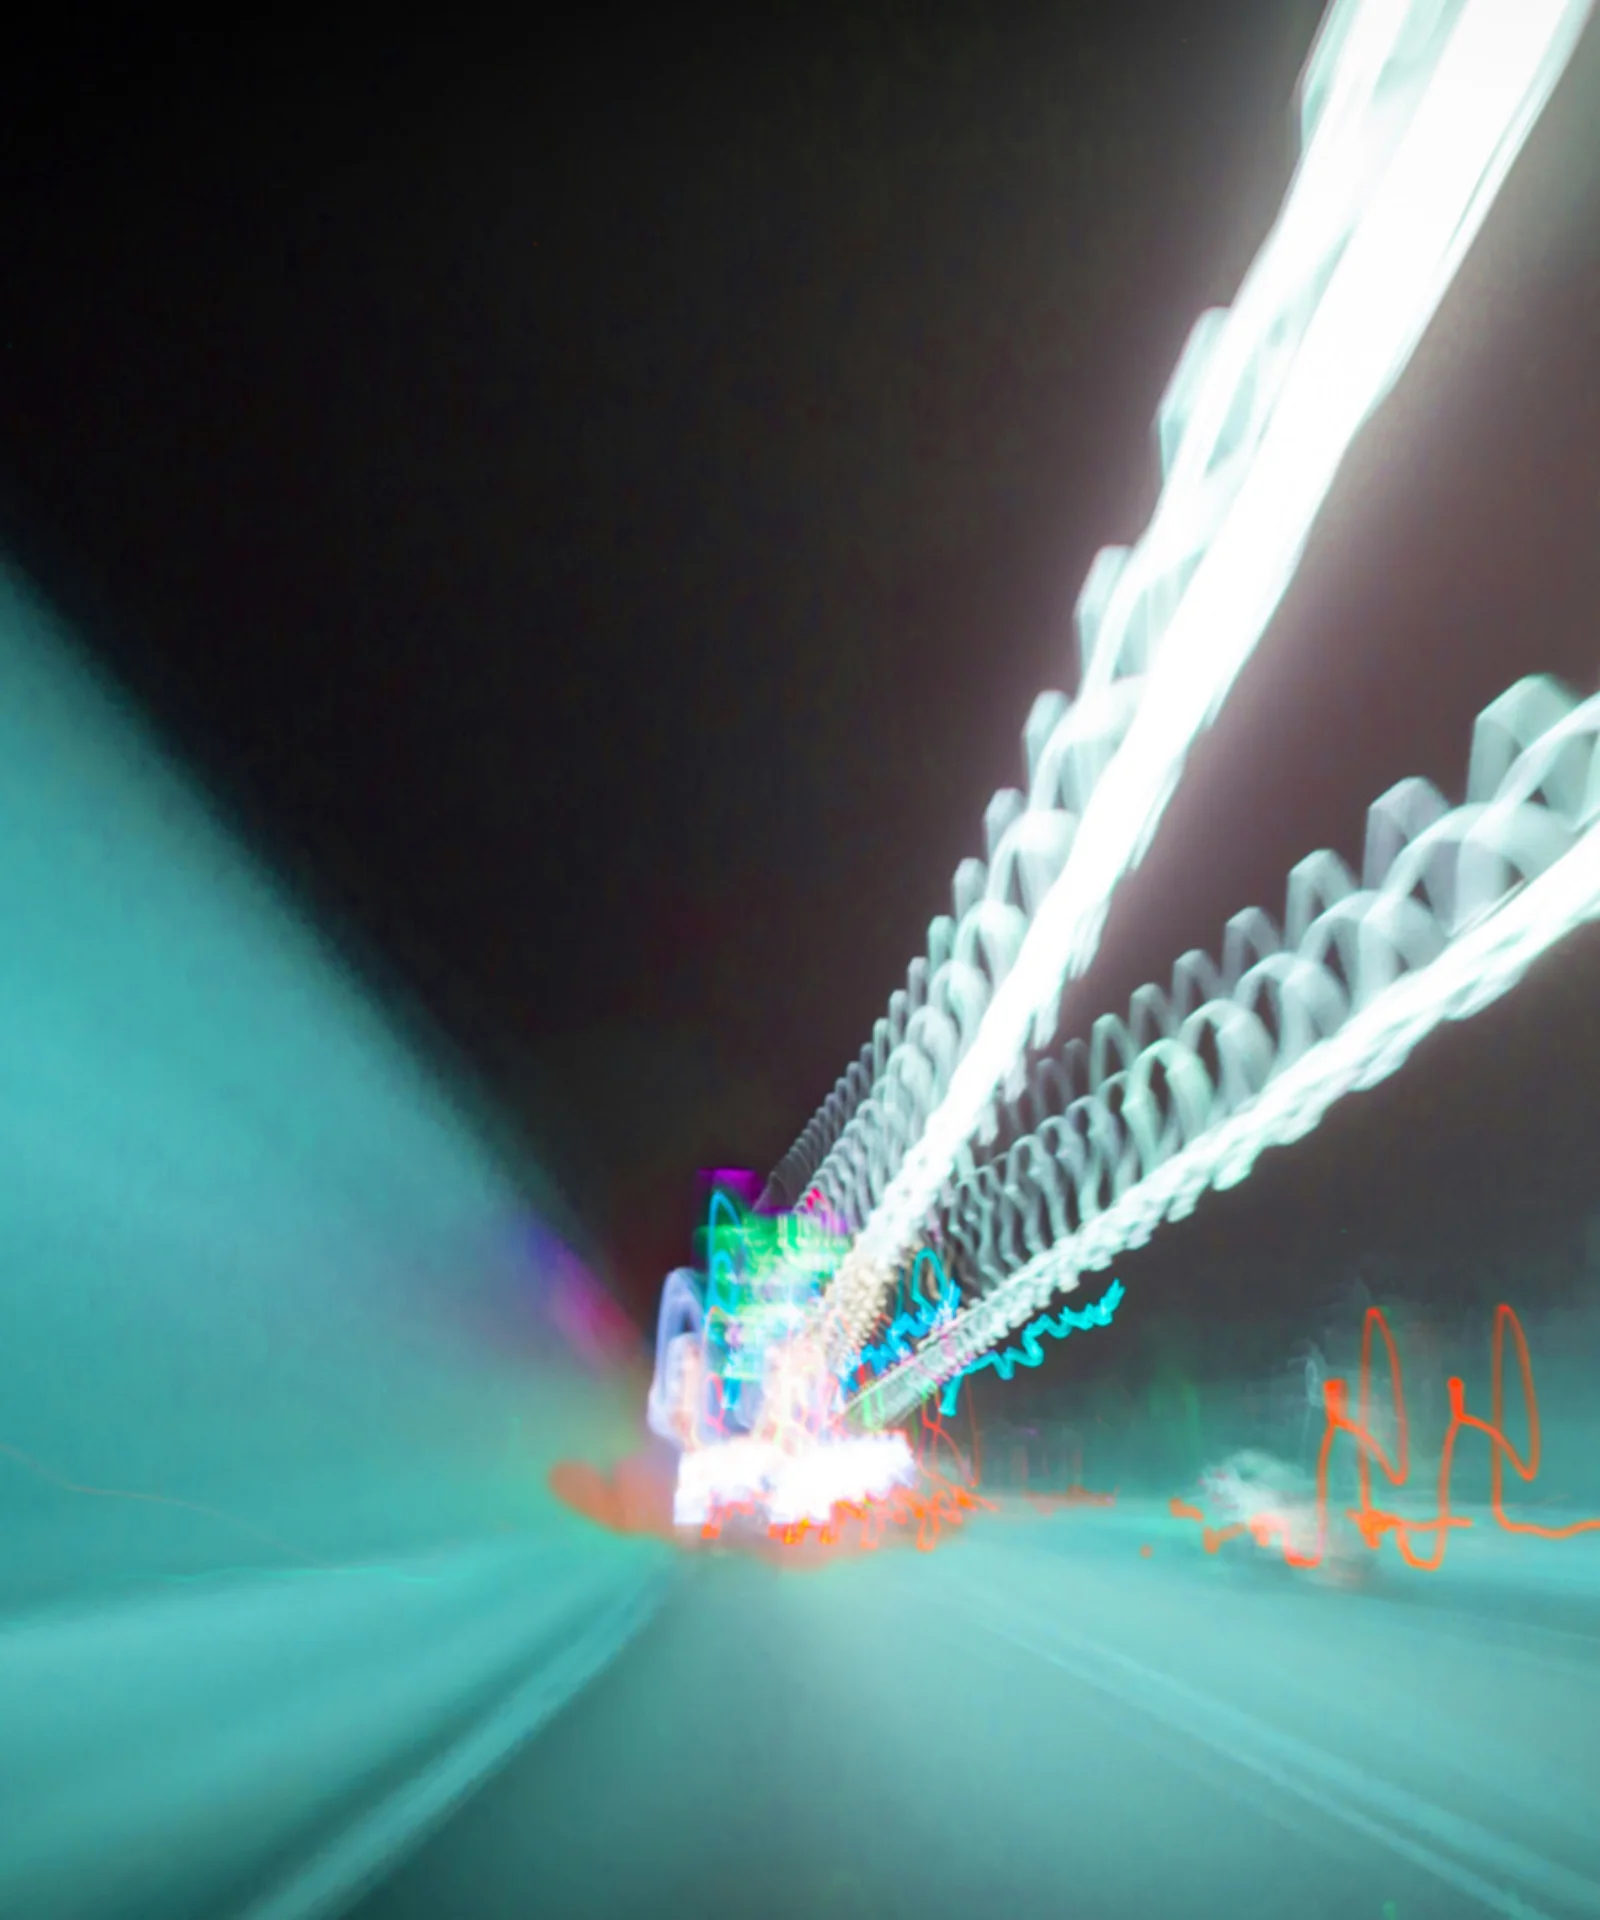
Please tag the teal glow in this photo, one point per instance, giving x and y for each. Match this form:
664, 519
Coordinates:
286, 1350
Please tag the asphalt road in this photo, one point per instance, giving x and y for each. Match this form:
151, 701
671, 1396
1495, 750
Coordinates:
1040, 1718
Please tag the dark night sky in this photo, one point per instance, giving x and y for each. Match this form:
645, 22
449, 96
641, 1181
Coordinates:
597, 511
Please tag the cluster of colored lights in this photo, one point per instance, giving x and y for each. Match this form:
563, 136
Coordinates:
742, 1388
733, 1352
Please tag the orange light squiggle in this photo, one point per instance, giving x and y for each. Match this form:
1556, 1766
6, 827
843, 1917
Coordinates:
1373, 1522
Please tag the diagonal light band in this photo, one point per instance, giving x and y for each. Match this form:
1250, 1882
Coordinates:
1493, 77
1474, 970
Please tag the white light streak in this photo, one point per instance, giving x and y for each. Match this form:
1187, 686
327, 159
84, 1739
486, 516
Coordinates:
1387, 198
785, 1485
1480, 965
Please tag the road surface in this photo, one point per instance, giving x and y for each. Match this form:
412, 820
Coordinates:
1041, 1718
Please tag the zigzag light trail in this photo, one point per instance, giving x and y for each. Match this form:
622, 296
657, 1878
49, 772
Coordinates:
282, 1597
1360, 282
279, 1594
1412, 118
1380, 269
1029, 1353
910, 1326
1526, 854
1199, 1726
